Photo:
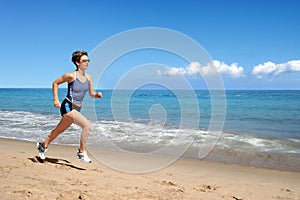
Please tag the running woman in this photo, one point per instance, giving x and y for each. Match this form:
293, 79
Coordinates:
79, 82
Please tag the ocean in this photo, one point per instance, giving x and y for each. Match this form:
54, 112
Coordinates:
261, 127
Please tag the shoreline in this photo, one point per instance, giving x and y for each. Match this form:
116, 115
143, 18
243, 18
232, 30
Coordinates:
262, 160
62, 176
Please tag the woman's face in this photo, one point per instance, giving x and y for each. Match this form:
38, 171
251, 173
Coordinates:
84, 62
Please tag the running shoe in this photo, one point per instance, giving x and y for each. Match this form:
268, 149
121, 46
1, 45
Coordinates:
83, 156
42, 150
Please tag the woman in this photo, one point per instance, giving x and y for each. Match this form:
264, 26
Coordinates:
79, 82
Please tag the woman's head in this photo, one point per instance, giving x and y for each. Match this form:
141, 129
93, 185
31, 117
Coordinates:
76, 57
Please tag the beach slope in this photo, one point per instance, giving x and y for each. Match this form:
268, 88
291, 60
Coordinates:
62, 176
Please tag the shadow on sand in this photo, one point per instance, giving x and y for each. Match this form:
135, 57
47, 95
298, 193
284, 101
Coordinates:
56, 161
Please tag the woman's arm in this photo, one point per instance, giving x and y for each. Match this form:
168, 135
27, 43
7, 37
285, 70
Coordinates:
91, 89
68, 77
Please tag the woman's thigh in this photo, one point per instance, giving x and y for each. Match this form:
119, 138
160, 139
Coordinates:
78, 118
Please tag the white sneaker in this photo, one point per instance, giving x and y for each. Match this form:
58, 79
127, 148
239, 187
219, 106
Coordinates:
42, 150
83, 156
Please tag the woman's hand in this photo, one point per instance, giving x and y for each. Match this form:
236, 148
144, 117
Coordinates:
98, 95
56, 103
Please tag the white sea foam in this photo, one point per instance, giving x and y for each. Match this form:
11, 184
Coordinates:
35, 127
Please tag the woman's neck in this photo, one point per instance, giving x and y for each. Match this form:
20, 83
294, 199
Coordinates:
81, 72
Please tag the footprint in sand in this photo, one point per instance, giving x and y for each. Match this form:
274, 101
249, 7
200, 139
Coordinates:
205, 188
23, 192
176, 189
237, 198
168, 183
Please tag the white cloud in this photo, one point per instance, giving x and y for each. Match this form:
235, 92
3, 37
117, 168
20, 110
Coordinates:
195, 69
232, 70
270, 68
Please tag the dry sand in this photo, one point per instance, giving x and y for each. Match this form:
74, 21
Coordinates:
62, 176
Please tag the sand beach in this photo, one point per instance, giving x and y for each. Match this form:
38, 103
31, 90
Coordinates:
62, 176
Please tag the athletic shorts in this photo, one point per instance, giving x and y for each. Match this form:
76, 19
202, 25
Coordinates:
67, 106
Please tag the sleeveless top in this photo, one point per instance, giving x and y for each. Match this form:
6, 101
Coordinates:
77, 90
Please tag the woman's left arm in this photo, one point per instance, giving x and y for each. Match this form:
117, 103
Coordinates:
91, 89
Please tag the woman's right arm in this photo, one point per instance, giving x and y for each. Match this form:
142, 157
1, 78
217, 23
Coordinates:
68, 77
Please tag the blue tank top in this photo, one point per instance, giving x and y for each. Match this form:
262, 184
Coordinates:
77, 90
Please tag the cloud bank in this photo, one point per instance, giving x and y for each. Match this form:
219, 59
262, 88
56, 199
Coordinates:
233, 70
195, 69
270, 68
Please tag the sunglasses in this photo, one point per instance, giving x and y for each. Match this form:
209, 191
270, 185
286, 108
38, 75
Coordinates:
85, 60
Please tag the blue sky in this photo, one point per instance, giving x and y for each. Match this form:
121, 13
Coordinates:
255, 44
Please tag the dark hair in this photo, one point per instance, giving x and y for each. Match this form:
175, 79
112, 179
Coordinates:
76, 55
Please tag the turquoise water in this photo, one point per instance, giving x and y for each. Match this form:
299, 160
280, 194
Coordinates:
262, 124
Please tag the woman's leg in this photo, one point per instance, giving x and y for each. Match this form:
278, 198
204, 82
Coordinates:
86, 126
64, 123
